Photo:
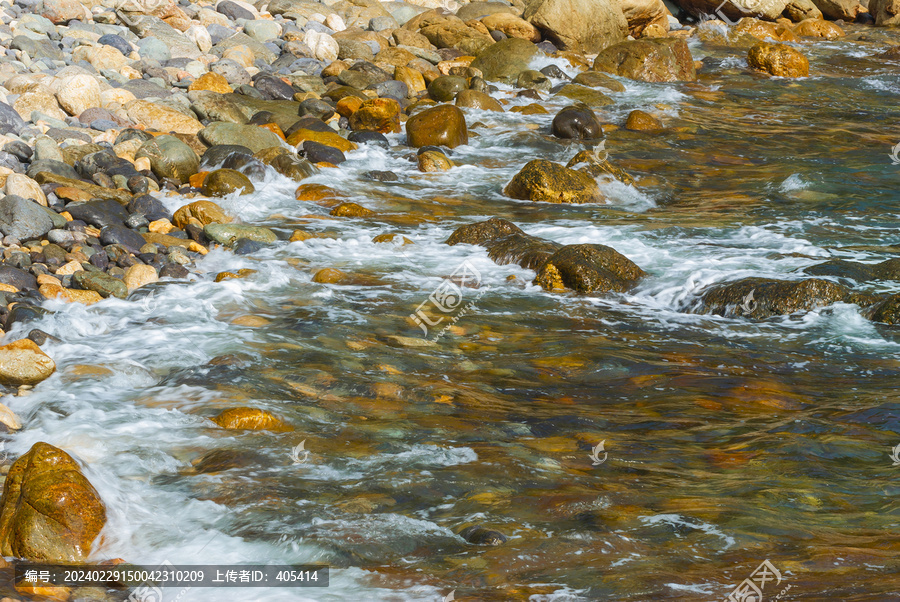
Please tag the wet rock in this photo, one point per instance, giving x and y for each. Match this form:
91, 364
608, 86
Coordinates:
482, 536
589, 268
377, 115
595, 165
595, 79
849, 9
218, 460
886, 312
23, 363
651, 60
293, 167
645, 15
327, 138
535, 80
446, 87
170, 158
101, 283
585, 26
23, 219
251, 419
735, 9
49, 511
98, 213
351, 210
763, 30
765, 297
817, 28
200, 212
444, 125
150, 207
368, 137
545, 181
778, 59
527, 251
120, 235
576, 122
329, 276
642, 121
853, 270
432, 161
584, 95
316, 152
380, 176
472, 99
505, 60
138, 275
222, 182
482, 232
227, 234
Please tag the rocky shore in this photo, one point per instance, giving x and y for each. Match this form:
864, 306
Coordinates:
108, 108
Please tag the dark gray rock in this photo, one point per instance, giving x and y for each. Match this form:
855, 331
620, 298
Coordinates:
10, 121
23, 218
120, 235
98, 213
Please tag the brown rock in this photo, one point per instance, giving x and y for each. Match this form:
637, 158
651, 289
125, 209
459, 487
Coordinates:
512, 26
585, 26
55, 291
391, 237
251, 419
641, 121
431, 161
778, 59
885, 12
377, 115
329, 276
396, 57
644, 14
138, 275
23, 363
161, 118
413, 79
206, 212
763, 30
764, 297
473, 99
650, 60
532, 109
223, 182
549, 182
49, 511
443, 125
817, 28
589, 268
351, 210
348, 105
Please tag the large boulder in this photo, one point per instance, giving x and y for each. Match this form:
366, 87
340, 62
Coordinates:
778, 59
846, 9
23, 363
444, 125
169, 158
588, 269
482, 232
545, 181
505, 60
854, 270
640, 14
886, 311
885, 12
585, 26
732, 10
765, 297
377, 115
650, 60
49, 511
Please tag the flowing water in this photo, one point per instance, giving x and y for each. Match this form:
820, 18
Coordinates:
727, 441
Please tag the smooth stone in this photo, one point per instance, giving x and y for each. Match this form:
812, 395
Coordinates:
226, 234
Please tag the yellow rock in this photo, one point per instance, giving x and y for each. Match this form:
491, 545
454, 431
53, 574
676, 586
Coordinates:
161, 226
206, 212
53, 291
23, 363
391, 237
138, 275
326, 138
329, 276
250, 419
8, 288
242, 273
251, 321
9, 418
212, 82
69, 268
48, 279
